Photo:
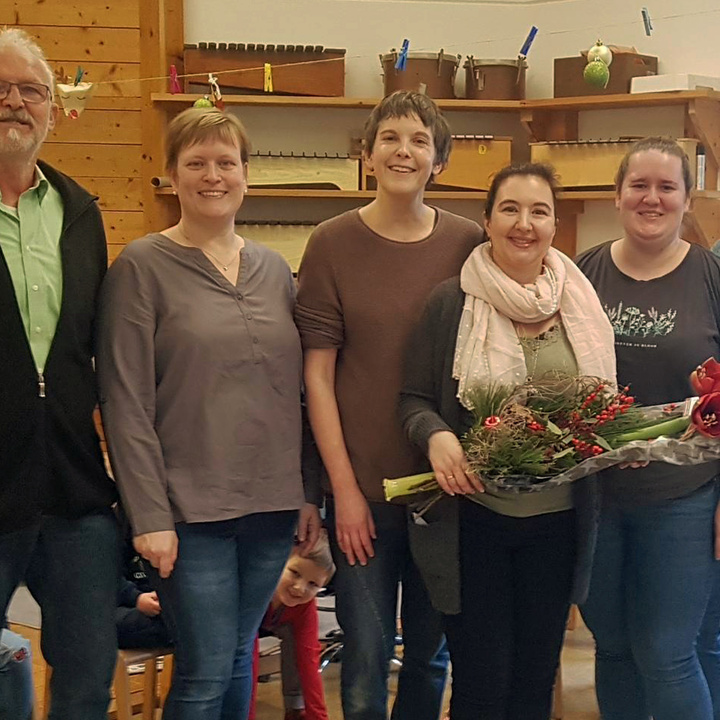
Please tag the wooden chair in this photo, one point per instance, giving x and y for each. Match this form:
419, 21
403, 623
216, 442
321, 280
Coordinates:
154, 692
152, 699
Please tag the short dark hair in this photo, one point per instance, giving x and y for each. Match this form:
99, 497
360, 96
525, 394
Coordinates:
665, 145
540, 170
403, 103
196, 125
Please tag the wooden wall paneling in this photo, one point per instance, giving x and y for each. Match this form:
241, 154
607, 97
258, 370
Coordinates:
125, 77
122, 227
81, 160
101, 149
161, 45
73, 44
113, 103
114, 249
108, 127
116, 193
81, 13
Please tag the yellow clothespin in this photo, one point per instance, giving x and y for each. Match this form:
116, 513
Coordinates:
268, 81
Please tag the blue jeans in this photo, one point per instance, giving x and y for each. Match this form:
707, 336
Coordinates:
214, 601
366, 608
71, 567
651, 581
708, 643
16, 678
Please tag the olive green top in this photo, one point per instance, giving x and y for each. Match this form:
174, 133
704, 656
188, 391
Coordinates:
549, 351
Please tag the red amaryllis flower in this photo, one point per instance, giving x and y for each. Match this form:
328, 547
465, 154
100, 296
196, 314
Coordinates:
706, 415
491, 422
706, 378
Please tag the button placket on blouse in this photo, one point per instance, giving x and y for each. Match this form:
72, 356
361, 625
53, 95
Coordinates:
250, 326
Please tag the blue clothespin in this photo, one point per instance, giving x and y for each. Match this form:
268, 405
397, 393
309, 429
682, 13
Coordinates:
647, 22
402, 57
78, 75
525, 49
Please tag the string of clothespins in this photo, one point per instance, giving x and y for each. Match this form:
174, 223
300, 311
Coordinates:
75, 94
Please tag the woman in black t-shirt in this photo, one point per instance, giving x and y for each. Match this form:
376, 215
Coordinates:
654, 563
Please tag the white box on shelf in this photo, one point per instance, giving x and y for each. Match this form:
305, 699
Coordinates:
673, 81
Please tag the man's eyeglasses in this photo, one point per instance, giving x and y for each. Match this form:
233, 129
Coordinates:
29, 92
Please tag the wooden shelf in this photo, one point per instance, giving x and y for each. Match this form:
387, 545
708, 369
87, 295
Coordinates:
625, 100
588, 102
344, 194
332, 102
544, 119
610, 194
431, 194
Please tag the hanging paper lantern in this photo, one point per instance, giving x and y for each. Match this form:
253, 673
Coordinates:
74, 97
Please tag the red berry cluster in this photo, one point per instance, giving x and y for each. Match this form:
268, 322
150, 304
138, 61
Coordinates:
619, 404
586, 449
590, 399
536, 426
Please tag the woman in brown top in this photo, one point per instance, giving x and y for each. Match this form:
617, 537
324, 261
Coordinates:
363, 281
200, 372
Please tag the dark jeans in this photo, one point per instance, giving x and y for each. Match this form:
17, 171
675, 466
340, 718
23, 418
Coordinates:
214, 601
651, 581
366, 608
136, 631
71, 567
708, 643
516, 578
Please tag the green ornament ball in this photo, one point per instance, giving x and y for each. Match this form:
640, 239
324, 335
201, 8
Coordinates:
203, 102
597, 74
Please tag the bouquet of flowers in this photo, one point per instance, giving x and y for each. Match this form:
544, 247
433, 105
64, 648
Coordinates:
560, 428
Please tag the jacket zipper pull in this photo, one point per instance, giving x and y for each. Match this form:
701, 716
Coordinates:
41, 385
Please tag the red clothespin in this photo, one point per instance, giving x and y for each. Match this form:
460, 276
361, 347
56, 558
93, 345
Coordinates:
175, 87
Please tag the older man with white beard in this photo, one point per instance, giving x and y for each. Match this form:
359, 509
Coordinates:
57, 530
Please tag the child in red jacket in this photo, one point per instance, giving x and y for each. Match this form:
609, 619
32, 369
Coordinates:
293, 617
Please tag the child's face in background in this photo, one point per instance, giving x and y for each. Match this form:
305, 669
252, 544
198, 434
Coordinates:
300, 582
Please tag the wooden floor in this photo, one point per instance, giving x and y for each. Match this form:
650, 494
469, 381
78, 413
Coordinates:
577, 666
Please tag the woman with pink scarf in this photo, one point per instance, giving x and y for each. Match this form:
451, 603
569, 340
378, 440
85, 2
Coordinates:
503, 567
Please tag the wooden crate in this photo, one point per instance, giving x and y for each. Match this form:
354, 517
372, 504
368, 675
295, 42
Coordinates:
568, 78
473, 162
592, 164
304, 171
296, 69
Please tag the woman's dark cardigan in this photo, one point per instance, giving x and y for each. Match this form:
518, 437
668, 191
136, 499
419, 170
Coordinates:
428, 404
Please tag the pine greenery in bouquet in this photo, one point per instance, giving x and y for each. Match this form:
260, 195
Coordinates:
559, 428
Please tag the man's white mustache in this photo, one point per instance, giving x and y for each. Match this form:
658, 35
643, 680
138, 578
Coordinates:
21, 117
